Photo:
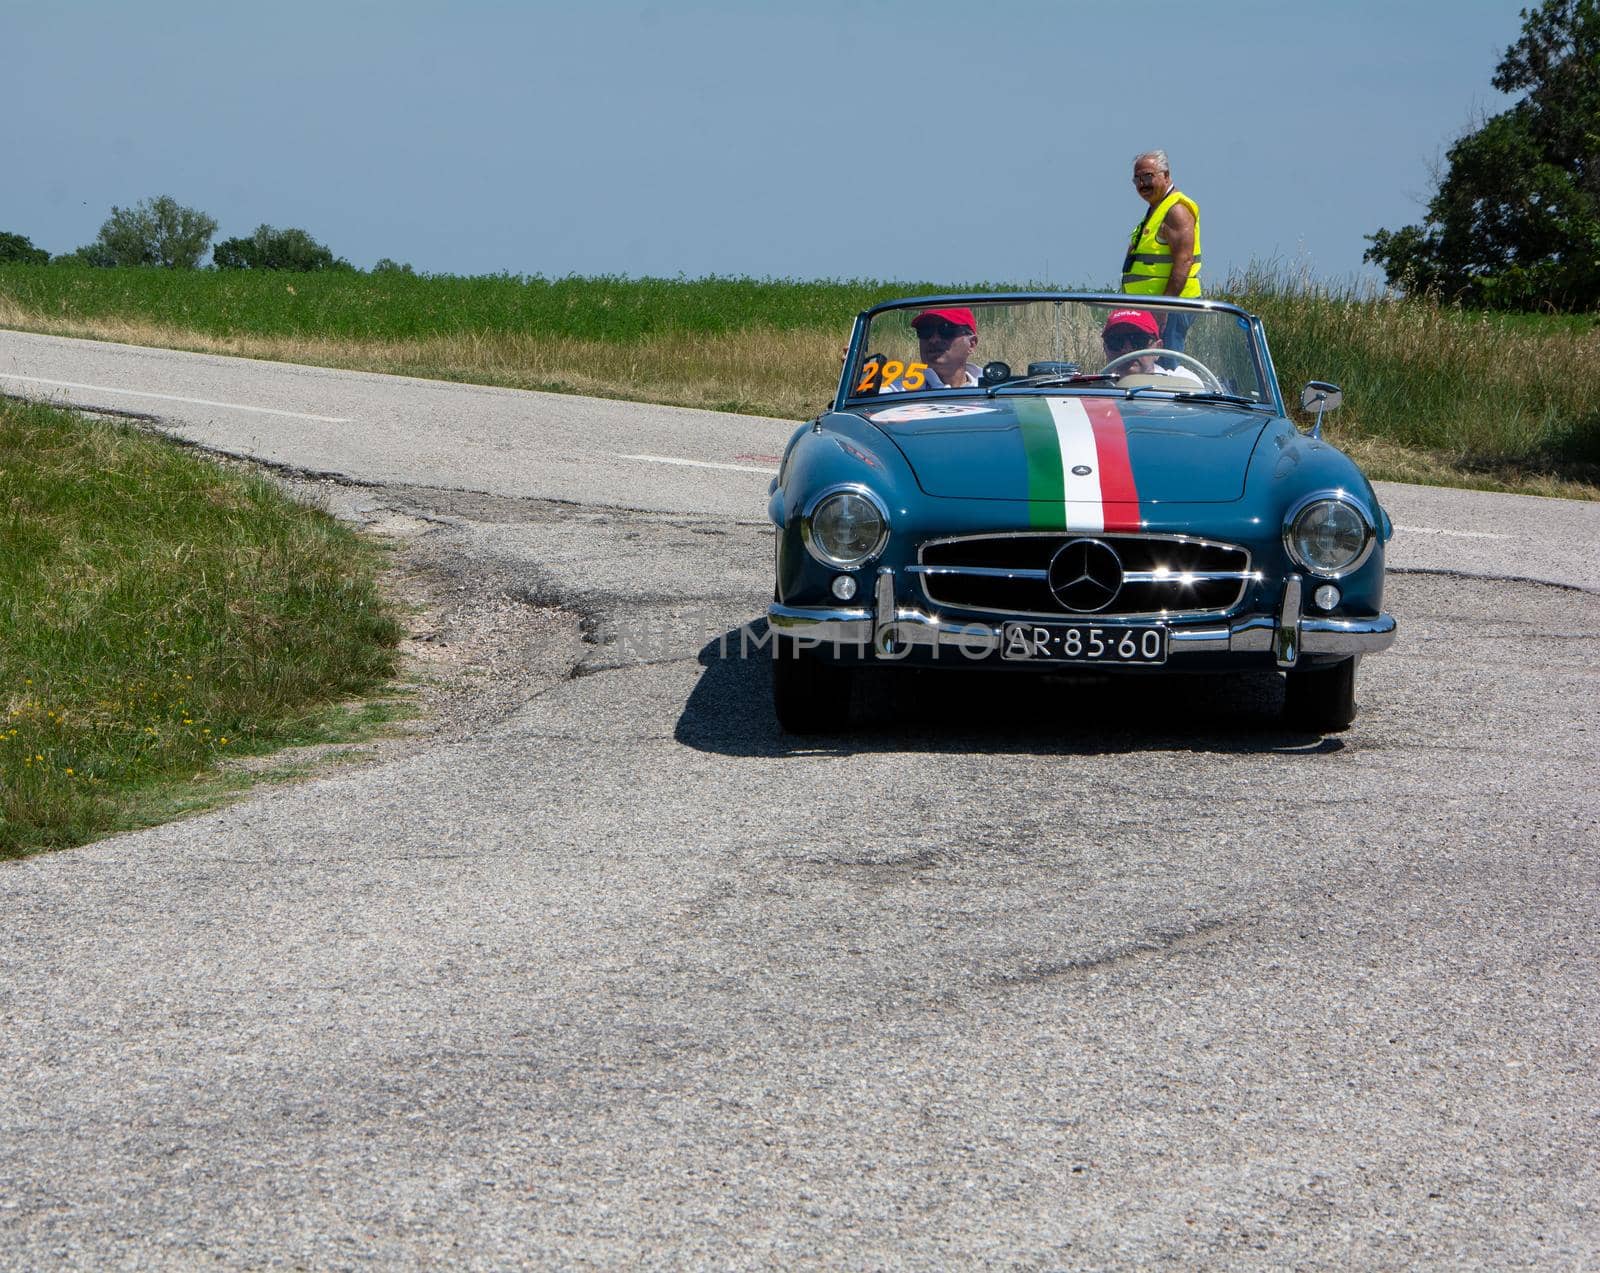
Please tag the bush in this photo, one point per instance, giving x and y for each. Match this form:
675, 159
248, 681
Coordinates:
17, 247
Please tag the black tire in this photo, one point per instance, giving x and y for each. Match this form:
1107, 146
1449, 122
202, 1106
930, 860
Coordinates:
1321, 699
809, 694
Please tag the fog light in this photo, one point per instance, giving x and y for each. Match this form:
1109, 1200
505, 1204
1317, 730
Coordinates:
844, 587
1325, 597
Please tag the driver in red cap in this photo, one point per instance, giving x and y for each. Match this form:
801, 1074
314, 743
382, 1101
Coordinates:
946, 339
1129, 331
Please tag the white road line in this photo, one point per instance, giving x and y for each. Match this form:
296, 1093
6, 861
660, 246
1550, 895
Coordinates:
1459, 534
696, 464
172, 397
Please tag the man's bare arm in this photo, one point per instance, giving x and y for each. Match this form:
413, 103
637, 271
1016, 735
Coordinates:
1178, 227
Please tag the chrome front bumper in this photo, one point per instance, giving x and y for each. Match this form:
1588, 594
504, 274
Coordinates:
888, 630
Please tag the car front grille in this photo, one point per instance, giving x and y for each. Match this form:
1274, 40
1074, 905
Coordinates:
1161, 575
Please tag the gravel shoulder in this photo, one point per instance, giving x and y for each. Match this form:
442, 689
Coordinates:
479, 645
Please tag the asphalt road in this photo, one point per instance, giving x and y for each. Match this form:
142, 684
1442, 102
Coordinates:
1061, 979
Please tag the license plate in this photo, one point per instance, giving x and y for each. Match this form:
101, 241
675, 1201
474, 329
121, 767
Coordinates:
1083, 643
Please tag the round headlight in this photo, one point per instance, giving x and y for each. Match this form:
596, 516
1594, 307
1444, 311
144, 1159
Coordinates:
1328, 536
846, 528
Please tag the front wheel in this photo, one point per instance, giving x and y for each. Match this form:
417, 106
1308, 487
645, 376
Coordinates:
1321, 699
809, 694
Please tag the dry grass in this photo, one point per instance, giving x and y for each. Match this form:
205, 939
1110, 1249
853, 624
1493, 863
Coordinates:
1431, 398
786, 374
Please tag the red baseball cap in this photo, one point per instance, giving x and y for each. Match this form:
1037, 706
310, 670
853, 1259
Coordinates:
1133, 318
962, 316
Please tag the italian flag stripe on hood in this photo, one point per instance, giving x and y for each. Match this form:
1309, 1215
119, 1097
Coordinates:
1060, 435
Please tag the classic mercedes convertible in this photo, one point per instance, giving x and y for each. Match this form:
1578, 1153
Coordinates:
1071, 483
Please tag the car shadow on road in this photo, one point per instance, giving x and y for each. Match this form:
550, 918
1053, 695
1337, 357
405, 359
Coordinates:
957, 710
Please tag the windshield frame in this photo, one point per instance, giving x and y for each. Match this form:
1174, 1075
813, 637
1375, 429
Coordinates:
845, 398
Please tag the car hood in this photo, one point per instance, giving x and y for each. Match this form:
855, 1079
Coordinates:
1074, 448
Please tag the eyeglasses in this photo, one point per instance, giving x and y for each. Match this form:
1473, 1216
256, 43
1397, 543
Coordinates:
941, 327
1132, 340
1143, 178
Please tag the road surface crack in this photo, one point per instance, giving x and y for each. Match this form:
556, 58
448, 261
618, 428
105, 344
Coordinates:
1160, 941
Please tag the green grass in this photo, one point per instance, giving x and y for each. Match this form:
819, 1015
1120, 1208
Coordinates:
349, 305
160, 614
1432, 393
1504, 399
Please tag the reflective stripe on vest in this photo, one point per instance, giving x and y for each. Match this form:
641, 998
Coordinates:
1148, 265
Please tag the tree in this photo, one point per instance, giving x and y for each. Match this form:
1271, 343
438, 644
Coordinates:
387, 266
96, 254
272, 249
1515, 222
18, 247
157, 231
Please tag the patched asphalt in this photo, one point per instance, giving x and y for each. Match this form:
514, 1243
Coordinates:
1050, 976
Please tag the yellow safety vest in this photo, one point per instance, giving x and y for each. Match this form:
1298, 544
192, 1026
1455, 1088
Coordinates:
1148, 265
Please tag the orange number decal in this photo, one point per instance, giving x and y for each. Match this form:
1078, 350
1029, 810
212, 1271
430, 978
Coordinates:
892, 370
869, 382
916, 376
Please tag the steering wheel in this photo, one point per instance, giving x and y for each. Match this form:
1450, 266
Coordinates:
1208, 378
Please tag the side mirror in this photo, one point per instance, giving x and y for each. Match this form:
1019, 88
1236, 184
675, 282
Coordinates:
994, 373
1320, 396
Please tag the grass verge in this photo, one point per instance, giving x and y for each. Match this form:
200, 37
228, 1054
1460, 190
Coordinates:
162, 613
1432, 394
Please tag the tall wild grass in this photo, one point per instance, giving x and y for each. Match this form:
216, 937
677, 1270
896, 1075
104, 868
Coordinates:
1486, 391
1432, 393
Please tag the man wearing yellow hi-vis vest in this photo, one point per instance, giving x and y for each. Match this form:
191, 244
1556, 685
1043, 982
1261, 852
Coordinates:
1164, 250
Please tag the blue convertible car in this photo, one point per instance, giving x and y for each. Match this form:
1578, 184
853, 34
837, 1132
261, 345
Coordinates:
1064, 482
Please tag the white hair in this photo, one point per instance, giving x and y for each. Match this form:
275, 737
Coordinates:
1160, 156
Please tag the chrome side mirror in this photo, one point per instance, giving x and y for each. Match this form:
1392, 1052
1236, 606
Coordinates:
1320, 396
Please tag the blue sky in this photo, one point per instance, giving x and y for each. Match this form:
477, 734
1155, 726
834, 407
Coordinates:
935, 141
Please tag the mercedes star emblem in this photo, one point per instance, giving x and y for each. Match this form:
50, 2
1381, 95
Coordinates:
1086, 575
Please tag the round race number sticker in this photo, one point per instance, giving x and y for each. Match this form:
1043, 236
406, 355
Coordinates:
930, 411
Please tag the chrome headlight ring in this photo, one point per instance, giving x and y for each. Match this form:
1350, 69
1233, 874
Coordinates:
845, 506
1345, 502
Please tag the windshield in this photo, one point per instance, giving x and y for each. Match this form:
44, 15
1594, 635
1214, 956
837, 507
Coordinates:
1125, 343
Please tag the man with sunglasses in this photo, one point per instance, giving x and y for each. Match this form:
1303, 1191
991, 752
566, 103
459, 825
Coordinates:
946, 339
1163, 256
1130, 330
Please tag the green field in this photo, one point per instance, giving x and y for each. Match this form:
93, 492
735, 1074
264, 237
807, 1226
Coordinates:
163, 614
349, 305
1432, 394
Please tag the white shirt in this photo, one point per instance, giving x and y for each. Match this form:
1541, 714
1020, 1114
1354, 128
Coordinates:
1178, 372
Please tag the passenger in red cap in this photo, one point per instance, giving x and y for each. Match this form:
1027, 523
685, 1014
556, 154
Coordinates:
1130, 330
945, 341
